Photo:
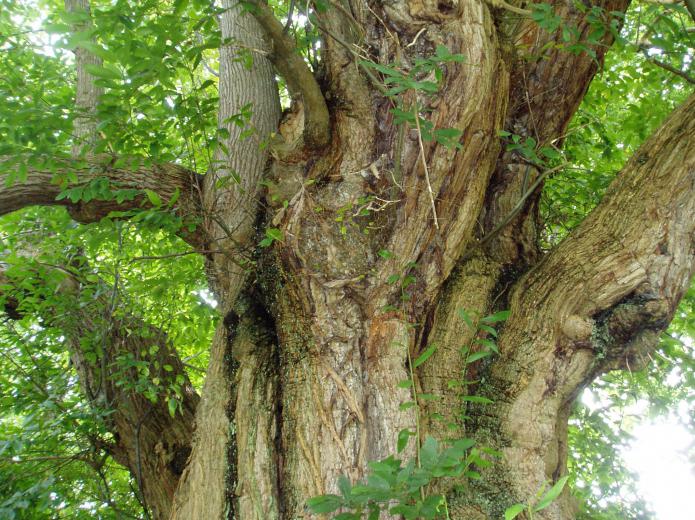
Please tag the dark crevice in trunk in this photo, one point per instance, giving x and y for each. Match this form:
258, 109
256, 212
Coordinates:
278, 436
231, 323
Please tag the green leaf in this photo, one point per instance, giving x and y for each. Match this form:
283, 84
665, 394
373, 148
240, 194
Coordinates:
429, 452
105, 72
384, 69
172, 404
344, 486
403, 437
95, 49
154, 199
513, 511
465, 317
274, 234
424, 356
476, 399
477, 356
498, 316
552, 494
324, 503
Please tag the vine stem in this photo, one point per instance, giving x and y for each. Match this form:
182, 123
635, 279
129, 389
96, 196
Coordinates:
411, 372
424, 165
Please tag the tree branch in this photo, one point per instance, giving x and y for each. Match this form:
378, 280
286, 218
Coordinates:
149, 441
598, 301
300, 80
641, 233
87, 93
41, 188
670, 68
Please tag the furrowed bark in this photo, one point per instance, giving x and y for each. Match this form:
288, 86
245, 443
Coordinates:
599, 301
151, 443
85, 133
553, 86
230, 210
294, 401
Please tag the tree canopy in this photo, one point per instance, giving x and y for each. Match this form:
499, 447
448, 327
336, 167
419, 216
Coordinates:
72, 273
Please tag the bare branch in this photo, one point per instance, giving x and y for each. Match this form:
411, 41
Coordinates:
598, 301
642, 232
670, 68
300, 80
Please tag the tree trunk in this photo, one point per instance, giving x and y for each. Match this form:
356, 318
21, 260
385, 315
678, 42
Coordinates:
316, 359
381, 235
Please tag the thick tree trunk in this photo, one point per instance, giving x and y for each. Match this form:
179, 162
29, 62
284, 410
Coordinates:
382, 236
315, 387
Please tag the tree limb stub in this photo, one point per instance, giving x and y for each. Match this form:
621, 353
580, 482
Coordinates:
300, 80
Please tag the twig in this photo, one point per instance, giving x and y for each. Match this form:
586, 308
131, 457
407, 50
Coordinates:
666, 66
513, 213
288, 23
502, 4
416, 37
424, 165
175, 255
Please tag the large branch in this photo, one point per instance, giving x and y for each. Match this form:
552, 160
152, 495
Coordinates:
148, 440
300, 80
547, 85
230, 215
548, 82
41, 188
599, 301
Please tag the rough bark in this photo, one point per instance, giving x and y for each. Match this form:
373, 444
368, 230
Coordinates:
599, 301
85, 134
230, 215
41, 188
302, 385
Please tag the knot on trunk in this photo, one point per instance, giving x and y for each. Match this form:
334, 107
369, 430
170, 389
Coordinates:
631, 330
